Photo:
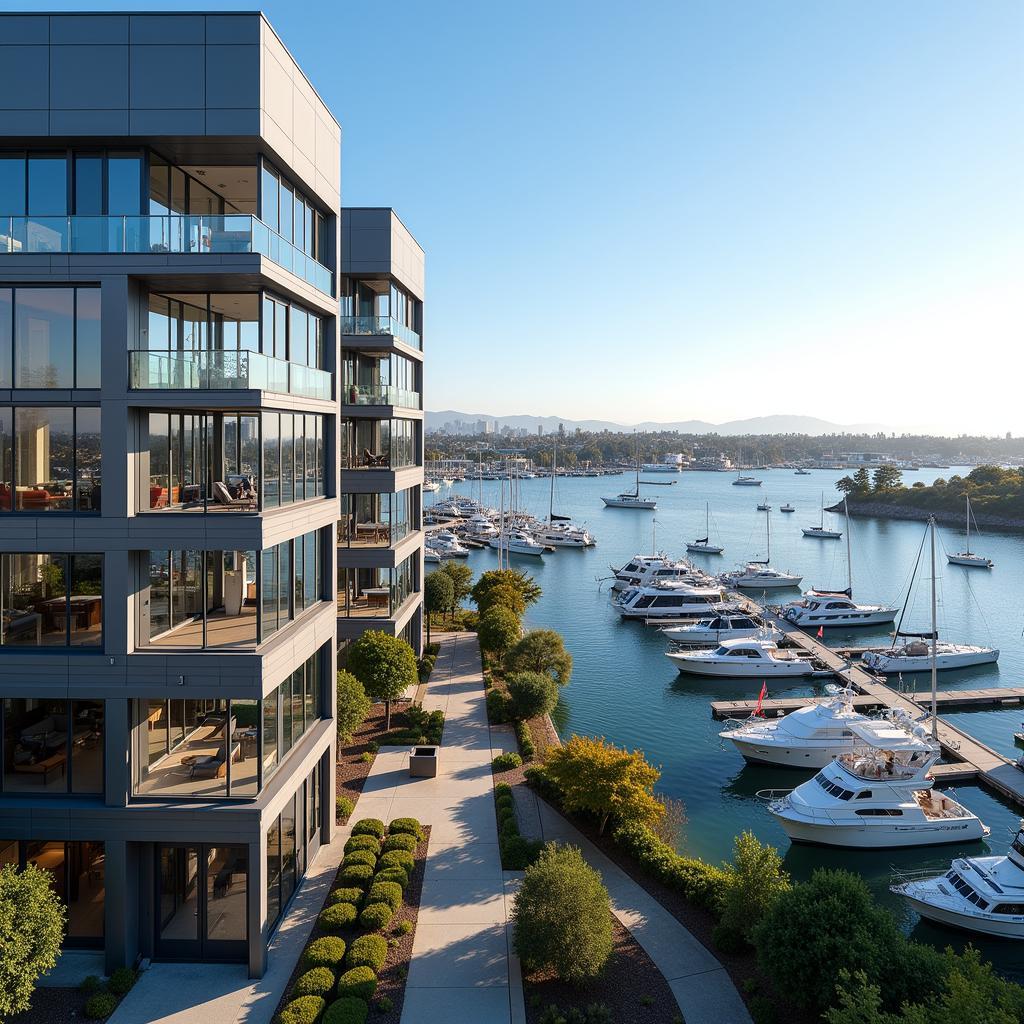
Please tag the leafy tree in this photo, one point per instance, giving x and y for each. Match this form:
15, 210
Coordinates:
462, 581
498, 630
385, 665
532, 693
504, 595
525, 584
438, 595
754, 884
352, 705
886, 478
562, 916
31, 929
846, 485
596, 776
862, 480
541, 650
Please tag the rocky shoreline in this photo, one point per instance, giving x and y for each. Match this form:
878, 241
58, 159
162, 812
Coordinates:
881, 510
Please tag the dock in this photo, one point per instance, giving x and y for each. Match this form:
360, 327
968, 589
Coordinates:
969, 757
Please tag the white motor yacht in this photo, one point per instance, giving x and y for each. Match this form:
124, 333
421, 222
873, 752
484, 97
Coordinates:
761, 576
807, 738
431, 486
979, 894
877, 795
674, 572
967, 556
447, 545
916, 656
479, 527
746, 481
713, 630
517, 542
430, 555
639, 565
564, 535
819, 608
743, 659
672, 600
819, 531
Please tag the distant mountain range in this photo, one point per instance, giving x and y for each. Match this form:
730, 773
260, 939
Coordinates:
756, 425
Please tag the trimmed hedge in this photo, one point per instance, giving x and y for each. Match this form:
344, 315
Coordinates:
122, 980
347, 1010
375, 916
506, 762
369, 827
526, 747
368, 951
360, 982
356, 874
328, 951
304, 1010
364, 842
348, 894
317, 982
385, 892
399, 875
397, 858
367, 857
400, 841
406, 826
517, 853
100, 1005
343, 806
338, 915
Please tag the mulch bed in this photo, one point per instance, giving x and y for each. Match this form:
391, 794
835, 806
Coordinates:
53, 1006
629, 977
393, 974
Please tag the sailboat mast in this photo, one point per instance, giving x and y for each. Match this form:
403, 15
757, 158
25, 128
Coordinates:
554, 469
849, 557
707, 519
822, 510
935, 638
968, 497
768, 529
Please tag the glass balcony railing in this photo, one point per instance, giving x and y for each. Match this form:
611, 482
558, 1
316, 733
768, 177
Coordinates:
380, 325
368, 394
229, 371
170, 233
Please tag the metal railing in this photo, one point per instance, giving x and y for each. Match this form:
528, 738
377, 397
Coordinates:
161, 233
229, 371
370, 394
380, 325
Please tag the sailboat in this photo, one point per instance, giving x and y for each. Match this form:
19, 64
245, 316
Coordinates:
918, 656
632, 499
559, 531
703, 545
759, 575
967, 557
819, 531
745, 481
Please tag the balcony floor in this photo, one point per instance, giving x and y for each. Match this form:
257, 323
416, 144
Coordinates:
222, 631
171, 776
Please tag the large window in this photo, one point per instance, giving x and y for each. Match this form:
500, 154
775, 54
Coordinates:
57, 183
52, 746
388, 380
291, 838
49, 459
376, 593
380, 444
376, 519
49, 337
284, 209
51, 600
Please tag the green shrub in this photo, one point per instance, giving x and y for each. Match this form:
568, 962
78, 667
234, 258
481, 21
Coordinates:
367, 756
499, 629
304, 1010
562, 916
532, 693
122, 980
368, 951
396, 874
357, 874
396, 858
369, 827
316, 982
502, 789
100, 1005
525, 740
338, 915
518, 853
363, 842
727, 939
327, 951
89, 984
347, 894
506, 762
499, 706
762, 1010
375, 916
752, 886
367, 857
406, 826
542, 651
347, 1010
385, 1004
359, 982
400, 841
343, 806
505, 800
385, 892
403, 927
352, 705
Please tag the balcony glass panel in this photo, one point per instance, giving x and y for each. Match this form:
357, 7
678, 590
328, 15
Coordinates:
375, 520
380, 444
369, 394
376, 593
377, 325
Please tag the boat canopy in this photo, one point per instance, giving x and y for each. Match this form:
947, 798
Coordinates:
886, 736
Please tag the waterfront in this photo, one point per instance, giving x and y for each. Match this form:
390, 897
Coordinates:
623, 688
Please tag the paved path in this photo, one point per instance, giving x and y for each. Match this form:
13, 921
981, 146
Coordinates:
461, 962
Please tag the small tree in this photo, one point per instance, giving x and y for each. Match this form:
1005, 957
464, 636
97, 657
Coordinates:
562, 916
754, 884
498, 630
886, 478
504, 595
846, 485
603, 779
526, 585
861, 480
532, 693
462, 581
385, 665
352, 705
31, 929
541, 650
438, 595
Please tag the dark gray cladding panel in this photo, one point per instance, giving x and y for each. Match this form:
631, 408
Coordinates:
232, 76
168, 77
164, 29
89, 77
19, 29
79, 29
24, 83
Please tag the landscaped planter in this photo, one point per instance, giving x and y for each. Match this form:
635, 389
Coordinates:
423, 762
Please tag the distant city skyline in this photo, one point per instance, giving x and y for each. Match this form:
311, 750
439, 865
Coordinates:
705, 211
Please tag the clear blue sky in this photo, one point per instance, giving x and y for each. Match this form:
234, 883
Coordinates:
696, 209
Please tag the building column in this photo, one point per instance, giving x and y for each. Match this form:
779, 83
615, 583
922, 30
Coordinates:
256, 905
121, 898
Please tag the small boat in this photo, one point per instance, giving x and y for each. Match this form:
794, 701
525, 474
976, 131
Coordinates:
802, 472
480, 528
675, 599
979, 894
787, 508
446, 545
742, 659
764, 507
632, 499
516, 542
710, 631
878, 795
760, 575
819, 531
746, 481
431, 486
703, 546
968, 557
818, 609
430, 555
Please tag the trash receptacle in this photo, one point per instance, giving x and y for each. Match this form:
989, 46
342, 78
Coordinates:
423, 762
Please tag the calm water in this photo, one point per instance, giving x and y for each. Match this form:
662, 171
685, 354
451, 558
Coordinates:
623, 687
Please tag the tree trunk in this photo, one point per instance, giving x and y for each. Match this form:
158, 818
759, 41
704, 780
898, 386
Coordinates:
428, 628
387, 716
604, 821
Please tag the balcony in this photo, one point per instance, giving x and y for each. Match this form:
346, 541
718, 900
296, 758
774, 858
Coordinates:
226, 371
380, 325
171, 233
370, 394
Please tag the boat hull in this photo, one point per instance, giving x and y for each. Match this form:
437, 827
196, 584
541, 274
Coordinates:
769, 584
695, 666
976, 921
971, 561
704, 549
810, 531
882, 836
756, 751
874, 618
642, 505
891, 666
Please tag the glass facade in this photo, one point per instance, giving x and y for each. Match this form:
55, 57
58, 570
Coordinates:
284, 209
381, 307
376, 593
380, 444
51, 600
388, 380
377, 520
290, 839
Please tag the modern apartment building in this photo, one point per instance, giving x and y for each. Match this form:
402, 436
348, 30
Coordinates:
169, 453
380, 538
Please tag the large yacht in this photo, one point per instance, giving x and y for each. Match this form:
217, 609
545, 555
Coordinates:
564, 535
447, 545
516, 542
479, 527
713, 630
672, 600
807, 738
820, 608
979, 894
916, 656
742, 659
639, 567
761, 576
877, 795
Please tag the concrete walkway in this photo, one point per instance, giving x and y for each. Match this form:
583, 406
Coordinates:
461, 963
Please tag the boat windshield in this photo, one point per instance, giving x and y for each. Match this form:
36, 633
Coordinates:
875, 763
